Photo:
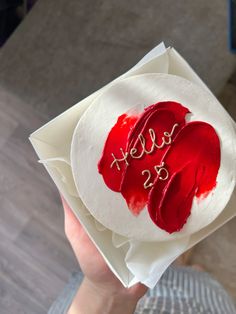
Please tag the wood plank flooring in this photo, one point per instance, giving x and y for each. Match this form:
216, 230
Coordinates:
35, 258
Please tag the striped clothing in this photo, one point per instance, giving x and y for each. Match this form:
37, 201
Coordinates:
181, 290
184, 290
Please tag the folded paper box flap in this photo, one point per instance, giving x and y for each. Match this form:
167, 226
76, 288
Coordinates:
131, 261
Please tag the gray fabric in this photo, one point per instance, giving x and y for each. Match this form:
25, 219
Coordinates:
183, 290
180, 290
68, 49
64, 300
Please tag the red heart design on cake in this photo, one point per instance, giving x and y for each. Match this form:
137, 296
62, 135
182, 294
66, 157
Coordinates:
157, 159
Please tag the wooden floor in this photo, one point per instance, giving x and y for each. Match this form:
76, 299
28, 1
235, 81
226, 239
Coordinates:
35, 258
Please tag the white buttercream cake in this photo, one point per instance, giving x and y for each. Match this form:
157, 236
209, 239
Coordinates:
153, 157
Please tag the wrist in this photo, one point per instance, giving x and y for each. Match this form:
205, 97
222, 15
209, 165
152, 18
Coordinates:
95, 298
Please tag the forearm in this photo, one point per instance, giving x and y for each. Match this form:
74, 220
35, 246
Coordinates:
90, 300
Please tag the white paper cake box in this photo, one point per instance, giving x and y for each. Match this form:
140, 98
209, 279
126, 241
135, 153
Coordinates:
130, 260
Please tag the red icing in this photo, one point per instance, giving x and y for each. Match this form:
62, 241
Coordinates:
192, 160
117, 138
160, 118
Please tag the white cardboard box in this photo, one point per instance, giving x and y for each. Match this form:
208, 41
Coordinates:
131, 261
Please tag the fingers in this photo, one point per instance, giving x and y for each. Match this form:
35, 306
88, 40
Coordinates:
81, 243
69, 215
72, 226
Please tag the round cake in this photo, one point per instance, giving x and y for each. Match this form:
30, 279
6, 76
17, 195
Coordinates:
153, 157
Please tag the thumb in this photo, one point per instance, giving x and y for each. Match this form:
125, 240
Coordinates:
72, 225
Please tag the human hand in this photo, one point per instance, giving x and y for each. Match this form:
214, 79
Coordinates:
100, 285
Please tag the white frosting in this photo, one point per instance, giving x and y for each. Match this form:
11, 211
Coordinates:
109, 207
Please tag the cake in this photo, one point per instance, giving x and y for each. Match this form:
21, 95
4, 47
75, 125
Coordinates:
153, 157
